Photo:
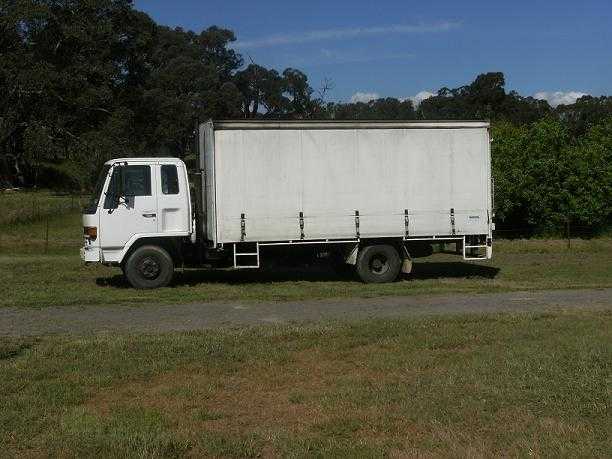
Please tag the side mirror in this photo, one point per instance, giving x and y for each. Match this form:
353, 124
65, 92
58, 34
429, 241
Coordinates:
116, 187
119, 184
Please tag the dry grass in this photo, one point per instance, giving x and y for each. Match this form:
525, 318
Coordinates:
512, 385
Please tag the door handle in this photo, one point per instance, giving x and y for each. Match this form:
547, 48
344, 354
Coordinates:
148, 215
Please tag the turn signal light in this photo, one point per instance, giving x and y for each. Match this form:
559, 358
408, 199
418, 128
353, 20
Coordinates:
91, 232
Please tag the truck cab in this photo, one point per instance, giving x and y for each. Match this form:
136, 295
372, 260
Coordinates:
138, 202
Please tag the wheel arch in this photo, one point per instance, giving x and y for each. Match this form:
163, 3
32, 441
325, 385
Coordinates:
350, 252
172, 245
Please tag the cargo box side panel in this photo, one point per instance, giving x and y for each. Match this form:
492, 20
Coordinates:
470, 181
258, 175
425, 172
445, 171
330, 193
328, 174
395, 168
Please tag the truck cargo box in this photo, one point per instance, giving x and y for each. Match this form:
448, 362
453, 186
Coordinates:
330, 180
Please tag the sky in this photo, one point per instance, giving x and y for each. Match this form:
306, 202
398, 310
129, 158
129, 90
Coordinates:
555, 50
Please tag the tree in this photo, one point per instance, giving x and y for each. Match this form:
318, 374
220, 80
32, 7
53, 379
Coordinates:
586, 112
543, 179
268, 94
484, 98
298, 94
84, 81
262, 91
588, 178
378, 109
64, 72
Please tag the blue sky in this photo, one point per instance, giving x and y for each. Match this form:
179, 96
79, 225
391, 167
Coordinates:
402, 48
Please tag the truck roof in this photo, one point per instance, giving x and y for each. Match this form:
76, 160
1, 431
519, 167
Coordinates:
148, 160
347, 124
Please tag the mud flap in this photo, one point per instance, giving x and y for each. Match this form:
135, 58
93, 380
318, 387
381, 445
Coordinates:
407, 265
351, 258
406, 261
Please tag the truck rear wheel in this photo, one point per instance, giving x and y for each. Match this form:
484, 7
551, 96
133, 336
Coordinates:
378, 264
149, 267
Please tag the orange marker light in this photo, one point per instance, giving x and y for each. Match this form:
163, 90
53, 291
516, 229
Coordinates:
91, 232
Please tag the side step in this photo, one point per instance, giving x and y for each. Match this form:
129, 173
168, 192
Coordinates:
246, 255
474, 250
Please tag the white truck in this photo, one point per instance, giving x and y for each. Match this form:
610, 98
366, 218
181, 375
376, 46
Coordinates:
368, 196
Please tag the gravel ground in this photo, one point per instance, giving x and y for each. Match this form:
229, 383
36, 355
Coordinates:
158, 319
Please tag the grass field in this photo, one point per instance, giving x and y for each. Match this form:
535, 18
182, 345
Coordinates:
522, 385
30, 206
46, 280
37, 273
477, 386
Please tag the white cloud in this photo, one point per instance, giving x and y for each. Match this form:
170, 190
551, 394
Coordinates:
364, 97
559, 97
343, 34
420, 97
342, 57
327, 56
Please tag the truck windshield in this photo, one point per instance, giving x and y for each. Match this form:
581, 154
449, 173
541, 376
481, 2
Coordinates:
95, 197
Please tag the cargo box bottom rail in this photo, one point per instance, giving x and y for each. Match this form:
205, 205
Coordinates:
469, 250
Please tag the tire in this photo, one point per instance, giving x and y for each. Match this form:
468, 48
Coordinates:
149, 267
378, 264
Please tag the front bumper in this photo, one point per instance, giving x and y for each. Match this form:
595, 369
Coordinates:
90, 254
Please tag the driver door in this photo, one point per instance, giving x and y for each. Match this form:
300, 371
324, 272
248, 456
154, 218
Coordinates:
130, 206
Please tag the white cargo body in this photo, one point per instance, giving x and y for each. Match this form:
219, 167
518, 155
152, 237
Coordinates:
269, 181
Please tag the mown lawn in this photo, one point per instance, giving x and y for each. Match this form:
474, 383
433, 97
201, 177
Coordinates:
511, 385
36, 272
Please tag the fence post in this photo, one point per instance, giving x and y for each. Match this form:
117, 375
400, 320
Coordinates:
569, 238
46, 233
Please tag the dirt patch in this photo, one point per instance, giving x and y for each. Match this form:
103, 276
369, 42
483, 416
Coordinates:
259, 398
84, 320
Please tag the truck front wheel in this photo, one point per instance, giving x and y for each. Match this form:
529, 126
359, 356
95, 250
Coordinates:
378, 264
149, 267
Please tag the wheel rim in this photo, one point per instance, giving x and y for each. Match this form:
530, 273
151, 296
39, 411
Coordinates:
149, 268
379, 264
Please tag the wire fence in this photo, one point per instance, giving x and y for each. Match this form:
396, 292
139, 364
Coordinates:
40, 218
567, 231
21, 208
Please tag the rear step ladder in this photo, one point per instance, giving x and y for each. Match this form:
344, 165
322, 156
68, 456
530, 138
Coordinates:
245, 259
480, 252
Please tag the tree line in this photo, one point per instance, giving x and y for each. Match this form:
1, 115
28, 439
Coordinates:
82, 81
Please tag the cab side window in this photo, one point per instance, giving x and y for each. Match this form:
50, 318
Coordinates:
135, 181
169, 179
